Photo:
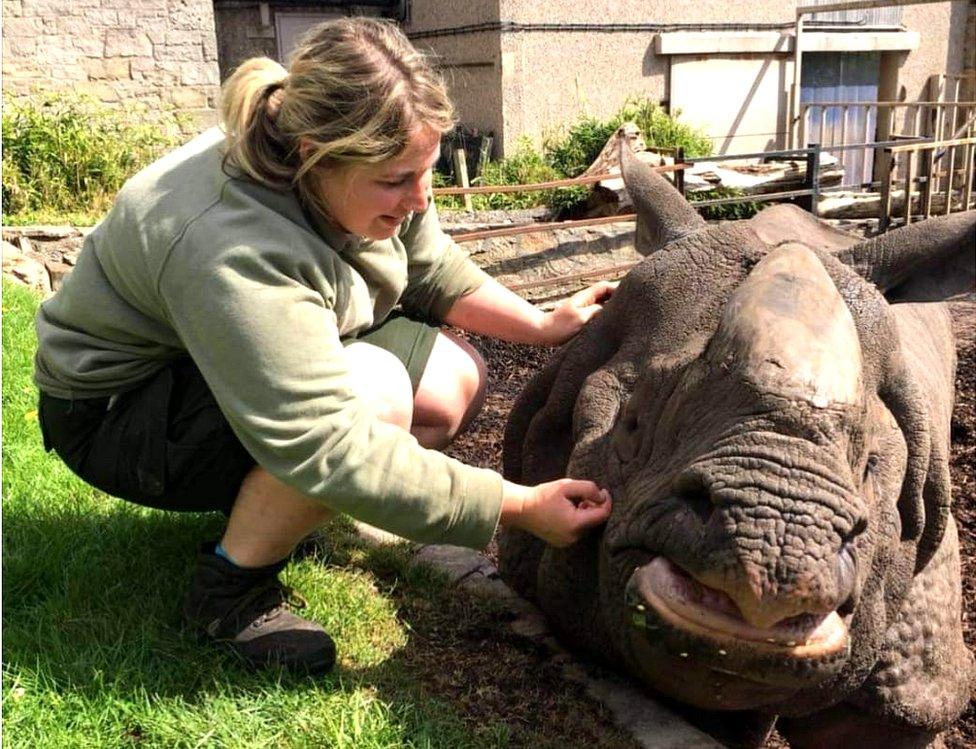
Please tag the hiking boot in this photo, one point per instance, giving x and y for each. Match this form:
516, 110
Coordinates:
249, 609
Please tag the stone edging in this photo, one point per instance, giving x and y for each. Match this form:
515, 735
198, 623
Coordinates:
40, 257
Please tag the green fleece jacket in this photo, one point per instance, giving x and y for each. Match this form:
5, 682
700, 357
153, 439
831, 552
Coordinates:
193, 261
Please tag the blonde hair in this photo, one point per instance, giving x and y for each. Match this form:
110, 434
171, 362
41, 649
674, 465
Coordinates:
354, 92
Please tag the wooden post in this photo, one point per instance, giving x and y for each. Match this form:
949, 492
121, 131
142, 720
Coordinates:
928, 169
812, 181
679, 176
884, 206
461, 173
909, 179
795, 98
950, 179
803, 125
484, 153
843, 134
967, 189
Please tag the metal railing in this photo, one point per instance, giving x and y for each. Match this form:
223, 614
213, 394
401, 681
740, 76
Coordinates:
842, 127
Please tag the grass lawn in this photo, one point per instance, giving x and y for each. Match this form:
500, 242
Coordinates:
94, 655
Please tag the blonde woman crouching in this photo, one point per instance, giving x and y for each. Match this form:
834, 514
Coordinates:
253, 329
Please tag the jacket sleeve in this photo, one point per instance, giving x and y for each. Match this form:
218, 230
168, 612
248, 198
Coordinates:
261, 328
439, 272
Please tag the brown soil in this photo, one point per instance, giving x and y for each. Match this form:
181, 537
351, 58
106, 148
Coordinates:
510, 366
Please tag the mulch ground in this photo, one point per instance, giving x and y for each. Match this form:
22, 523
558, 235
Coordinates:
510, 366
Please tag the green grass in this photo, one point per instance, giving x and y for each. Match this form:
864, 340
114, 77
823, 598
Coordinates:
93, 652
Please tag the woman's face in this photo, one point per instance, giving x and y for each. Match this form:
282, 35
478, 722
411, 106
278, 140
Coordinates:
372, 200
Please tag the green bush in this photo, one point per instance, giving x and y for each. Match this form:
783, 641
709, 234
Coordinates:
573, 151
726, 211
68, 154
568, 153
525, 166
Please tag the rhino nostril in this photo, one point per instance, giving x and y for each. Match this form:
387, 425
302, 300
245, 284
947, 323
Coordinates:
860, 525
847, 584
693, 493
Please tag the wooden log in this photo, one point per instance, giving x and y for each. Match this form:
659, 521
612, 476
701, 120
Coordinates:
461, 174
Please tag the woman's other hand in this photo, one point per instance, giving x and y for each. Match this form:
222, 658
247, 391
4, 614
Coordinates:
559, 512
565, 321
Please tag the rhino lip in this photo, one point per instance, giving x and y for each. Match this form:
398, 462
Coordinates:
686, 604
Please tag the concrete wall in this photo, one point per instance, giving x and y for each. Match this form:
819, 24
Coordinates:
159, 52
471, 61
549, 76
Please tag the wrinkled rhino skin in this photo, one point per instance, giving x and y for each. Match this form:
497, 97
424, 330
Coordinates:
768, 402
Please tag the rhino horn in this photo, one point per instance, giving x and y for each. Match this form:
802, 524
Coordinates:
791, 331
930, 261
663, 214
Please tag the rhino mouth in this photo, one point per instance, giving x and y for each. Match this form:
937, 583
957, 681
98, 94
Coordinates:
686, 605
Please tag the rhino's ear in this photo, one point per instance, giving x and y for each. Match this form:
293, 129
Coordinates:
539, 434
663, 214
931, 261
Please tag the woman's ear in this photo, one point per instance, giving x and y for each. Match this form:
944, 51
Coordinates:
305, 149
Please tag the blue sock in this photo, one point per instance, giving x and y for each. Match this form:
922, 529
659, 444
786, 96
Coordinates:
221, 552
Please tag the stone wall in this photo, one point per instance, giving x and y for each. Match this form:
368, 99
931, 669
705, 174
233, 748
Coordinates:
157, 52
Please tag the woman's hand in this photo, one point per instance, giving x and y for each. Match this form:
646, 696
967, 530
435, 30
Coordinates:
558, 512
565, 321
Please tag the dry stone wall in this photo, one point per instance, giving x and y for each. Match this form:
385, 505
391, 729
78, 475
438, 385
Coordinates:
158, 52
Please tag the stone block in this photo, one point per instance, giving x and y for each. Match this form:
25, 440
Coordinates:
196, 17
57, 272
101, 90
22, 27
210, 53
111, 69
127, 43
90, 45
101, 18
182, 37
72, 26
138, 5
180, 52
22, 46
188, 98
199, 73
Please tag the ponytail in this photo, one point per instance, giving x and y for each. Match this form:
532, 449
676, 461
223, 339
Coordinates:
249, 104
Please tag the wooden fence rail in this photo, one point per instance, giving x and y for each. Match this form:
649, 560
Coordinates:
920, 164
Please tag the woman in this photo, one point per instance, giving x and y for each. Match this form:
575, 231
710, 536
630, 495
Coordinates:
247, 331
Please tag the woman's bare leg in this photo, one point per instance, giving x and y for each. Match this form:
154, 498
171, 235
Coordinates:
451, 392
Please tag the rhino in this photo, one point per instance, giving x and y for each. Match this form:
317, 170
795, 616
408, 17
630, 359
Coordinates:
768, 402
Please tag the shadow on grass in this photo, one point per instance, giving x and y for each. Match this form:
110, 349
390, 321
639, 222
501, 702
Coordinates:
91, 603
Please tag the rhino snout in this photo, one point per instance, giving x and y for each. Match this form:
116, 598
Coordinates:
684, 603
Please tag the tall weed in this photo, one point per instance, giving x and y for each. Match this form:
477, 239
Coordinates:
66, 153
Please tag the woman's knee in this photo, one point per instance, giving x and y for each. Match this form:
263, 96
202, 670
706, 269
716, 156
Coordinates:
452, 388
381, 380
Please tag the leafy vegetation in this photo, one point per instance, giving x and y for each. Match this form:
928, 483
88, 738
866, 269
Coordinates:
65, 155
568, 152
725, 211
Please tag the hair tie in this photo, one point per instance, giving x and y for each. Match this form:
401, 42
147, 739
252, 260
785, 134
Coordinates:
275, 94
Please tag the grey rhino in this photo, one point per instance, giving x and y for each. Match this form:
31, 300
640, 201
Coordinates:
768, 402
